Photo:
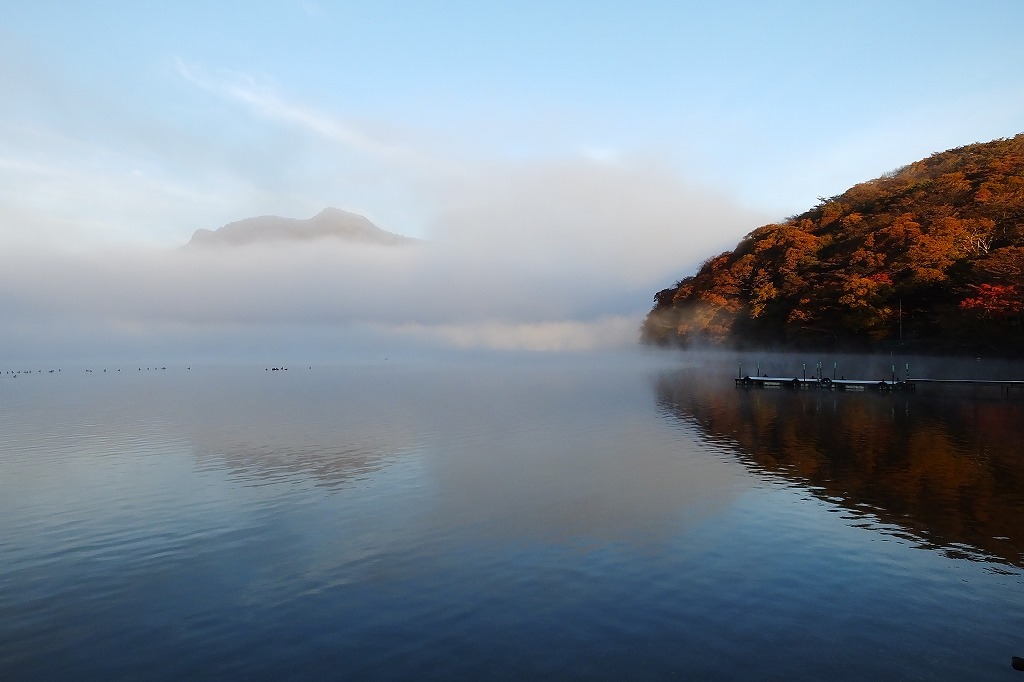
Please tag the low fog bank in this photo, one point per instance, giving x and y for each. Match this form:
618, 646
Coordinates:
634, 221
541, 257
303, 300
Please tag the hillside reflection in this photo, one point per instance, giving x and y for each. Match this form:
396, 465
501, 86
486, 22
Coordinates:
944, 469
315, 427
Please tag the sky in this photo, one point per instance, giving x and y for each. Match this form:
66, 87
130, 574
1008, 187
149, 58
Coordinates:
560, 161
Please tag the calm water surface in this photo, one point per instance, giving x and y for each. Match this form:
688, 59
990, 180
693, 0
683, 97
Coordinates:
582, 517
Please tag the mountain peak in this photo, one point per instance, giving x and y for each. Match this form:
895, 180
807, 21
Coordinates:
329, 223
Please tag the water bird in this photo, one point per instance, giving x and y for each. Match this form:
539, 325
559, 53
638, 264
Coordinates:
1017, 663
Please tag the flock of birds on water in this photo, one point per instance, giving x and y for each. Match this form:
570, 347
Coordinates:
16, 373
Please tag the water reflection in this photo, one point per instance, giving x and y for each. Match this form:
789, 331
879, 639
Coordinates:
941, 467
304, 426
274, 438
498, 519
534, 451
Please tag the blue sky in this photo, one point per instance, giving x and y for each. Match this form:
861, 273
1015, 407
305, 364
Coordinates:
638, 138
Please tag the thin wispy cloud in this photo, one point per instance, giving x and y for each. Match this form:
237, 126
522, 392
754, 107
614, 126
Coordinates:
267, 101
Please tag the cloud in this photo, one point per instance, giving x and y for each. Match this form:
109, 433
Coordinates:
566, 335
87, 195
261, 98
84, 164
633, 221
264, 99
542, 257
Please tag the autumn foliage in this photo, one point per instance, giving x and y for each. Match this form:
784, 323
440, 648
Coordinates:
930, 255
944, 472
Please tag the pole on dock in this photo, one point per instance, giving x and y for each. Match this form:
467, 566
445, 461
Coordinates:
901, 321
739, 373
833, 371
894, 374
805, 371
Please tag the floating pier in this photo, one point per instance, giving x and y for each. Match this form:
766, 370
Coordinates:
827, 383
817, 381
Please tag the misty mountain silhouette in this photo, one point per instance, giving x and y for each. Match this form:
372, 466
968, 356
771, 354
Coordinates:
328, 223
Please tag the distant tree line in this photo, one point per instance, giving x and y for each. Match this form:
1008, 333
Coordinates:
930, 255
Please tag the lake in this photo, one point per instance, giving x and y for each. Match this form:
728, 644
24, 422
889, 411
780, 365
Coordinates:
592, 516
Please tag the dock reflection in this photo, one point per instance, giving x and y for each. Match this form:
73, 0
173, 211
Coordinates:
942, 469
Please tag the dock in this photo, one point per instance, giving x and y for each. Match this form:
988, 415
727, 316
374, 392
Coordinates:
825, 383
909, 384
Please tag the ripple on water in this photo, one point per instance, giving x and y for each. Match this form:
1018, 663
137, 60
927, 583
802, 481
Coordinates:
530, 524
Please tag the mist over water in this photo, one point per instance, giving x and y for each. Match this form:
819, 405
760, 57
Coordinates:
546, 256
306, 300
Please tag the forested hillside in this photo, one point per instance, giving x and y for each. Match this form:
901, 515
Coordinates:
930, 255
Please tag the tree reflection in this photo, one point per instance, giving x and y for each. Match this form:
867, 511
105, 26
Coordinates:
942, 467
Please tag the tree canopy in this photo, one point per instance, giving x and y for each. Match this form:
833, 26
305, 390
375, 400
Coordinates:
930, 255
